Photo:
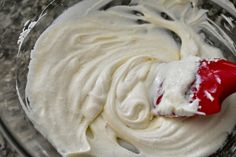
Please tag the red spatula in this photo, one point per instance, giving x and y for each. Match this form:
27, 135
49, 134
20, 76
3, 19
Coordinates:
218, 81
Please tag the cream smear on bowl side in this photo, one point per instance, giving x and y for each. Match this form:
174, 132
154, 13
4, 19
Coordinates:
93, 73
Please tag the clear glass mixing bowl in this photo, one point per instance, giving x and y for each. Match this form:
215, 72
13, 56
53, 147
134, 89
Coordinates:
18, 129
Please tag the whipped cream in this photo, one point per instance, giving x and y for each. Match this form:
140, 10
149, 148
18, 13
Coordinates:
172, 86
92, 70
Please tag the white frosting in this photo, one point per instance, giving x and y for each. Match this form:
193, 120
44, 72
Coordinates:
209, 96
226, 4
172, 83
91, 73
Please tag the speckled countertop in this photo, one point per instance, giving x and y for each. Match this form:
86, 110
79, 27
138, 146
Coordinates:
13, 14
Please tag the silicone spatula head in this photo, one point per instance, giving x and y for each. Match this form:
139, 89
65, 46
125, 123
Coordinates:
218, 81
215, 80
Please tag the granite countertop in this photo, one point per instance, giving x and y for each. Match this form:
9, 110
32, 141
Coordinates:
13, 14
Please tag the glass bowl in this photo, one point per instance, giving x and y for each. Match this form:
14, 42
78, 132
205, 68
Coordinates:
15, 125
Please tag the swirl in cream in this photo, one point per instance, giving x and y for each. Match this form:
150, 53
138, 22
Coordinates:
91, 76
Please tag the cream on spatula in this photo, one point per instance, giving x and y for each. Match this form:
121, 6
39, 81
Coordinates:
216, 80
